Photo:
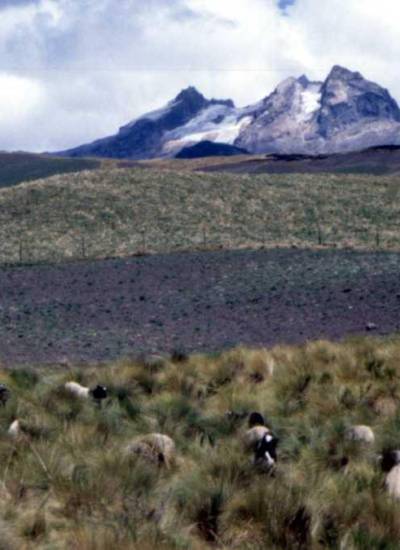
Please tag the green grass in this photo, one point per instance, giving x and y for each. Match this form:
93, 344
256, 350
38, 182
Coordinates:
115, 212
68, 484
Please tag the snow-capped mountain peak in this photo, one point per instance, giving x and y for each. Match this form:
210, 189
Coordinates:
345, 112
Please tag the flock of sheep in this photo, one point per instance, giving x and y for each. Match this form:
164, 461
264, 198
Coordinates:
257, 439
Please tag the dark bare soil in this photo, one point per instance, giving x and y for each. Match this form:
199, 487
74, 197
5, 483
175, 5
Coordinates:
195, 301
377, 160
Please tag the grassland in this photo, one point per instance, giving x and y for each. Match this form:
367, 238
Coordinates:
120, 212
67, 483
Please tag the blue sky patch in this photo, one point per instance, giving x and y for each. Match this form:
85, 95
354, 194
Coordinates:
285, 3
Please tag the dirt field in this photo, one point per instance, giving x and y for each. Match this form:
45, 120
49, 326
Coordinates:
100, 310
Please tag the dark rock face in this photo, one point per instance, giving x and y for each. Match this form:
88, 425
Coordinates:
344, 113
209, 149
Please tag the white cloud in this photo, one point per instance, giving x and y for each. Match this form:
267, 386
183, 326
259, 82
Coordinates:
83, 68
20, 95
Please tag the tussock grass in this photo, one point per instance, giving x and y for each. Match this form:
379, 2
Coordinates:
117, 212
67, 482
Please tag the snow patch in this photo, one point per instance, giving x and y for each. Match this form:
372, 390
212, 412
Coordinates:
152, 115
217, 123
311, 100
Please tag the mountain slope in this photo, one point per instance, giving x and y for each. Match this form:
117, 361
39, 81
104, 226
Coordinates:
344, 113
145, 137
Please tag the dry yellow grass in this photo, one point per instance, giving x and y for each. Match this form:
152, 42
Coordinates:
66, 482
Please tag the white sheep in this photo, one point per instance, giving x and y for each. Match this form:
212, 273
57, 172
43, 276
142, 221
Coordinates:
360, 433
154, 447
98, 392
14, 430
390, 464
392, 482
77, 390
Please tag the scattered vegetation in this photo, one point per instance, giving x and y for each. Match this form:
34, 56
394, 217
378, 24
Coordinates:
68, 482
120, 212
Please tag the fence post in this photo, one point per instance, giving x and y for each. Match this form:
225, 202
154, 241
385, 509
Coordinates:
83, 246
143, 244
377, 238
319, 232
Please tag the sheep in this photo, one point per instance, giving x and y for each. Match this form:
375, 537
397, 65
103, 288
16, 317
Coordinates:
77, 390
392, 482
265, 452
98, 393
155, 447
4, 394
257, 430
14, 429
361, 434
256, 419
389, 459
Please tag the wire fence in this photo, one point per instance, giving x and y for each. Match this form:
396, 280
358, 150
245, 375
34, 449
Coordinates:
85, 246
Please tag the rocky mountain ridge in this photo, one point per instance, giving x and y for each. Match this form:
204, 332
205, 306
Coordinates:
344, 113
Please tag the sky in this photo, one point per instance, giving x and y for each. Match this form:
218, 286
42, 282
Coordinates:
72, 71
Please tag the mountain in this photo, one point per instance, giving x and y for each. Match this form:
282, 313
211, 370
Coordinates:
346, 112
159, 133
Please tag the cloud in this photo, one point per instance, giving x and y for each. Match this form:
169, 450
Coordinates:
93, 65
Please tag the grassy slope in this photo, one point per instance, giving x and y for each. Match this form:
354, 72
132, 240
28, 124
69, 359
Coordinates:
115, 212
16, 168
69, 485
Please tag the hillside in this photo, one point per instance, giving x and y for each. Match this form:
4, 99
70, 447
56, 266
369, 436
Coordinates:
18, 167
122, 212
69, 482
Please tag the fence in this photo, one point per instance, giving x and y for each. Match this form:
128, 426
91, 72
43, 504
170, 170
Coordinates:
24, 250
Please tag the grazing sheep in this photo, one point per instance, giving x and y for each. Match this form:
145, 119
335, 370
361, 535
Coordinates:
77, 390
98, 393
4, 394
265, 451
390, 459
362, 434
392, 482
256, 419
257, 430
14, 430
156, 448
253, 436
